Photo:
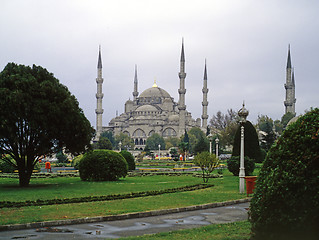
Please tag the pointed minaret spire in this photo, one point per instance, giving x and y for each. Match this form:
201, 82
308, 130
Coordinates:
99, 96
289, 58
290, 87
182, 52
99, 62
182, 91
205, 102
135, 93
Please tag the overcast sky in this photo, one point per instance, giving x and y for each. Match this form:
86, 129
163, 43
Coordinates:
245, 43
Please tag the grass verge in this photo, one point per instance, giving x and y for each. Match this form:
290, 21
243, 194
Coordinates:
229, 231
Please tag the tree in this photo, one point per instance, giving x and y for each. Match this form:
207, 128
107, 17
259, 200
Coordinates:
127, 143
226, 126
109, 135
153, 141
171, 142
103, 143
251, 143
202, 145
38, 117
268, 136
286, 118
129, 159
62, 158
207, 162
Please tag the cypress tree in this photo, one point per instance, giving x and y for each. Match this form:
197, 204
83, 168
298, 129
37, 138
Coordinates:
251, 143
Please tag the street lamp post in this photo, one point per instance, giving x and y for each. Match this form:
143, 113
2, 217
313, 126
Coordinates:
159, 151
210, 138
217, 141
120, 145
242, 113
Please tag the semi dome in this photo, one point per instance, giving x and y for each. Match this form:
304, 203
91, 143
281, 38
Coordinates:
146, 108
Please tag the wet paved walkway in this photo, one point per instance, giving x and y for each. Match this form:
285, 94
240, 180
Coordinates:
135, 227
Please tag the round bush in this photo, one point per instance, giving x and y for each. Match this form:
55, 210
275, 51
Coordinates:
129, 159
76, 161
233, 165
286, 201
102, 165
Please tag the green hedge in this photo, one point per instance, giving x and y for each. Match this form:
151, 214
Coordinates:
286, 201
129, 159
40, 202
233, 165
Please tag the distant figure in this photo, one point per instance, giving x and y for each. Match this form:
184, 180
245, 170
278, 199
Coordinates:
48, 166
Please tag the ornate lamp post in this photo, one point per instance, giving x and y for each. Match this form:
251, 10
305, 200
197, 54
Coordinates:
242, 113
210, 138
159, 151
217, 141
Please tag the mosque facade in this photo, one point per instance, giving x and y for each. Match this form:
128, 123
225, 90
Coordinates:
152, 111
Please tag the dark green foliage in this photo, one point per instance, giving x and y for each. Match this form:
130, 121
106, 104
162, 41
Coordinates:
251, 143
62, 158
129, 159
7, 164
286, 118
286, 201
233, 165
38, 116
102, 165
109, 135
103, 143
153, 141
269, 138
202, 145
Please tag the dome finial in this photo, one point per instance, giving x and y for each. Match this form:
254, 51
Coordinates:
154, 85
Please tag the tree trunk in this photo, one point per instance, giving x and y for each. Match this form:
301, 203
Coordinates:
25, 173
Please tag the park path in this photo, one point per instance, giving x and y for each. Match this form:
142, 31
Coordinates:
136, 226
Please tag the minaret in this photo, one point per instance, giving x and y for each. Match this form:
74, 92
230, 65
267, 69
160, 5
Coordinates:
182, 91
135, 93
99, 97
290, 87
205, 102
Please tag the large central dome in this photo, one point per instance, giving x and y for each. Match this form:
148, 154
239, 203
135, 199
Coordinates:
154, 92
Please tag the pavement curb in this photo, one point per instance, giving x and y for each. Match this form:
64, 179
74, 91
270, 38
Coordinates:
118, 217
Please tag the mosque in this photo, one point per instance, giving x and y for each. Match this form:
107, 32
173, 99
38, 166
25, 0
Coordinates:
152, 111
155, 111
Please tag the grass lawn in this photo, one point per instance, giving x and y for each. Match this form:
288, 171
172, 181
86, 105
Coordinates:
230, 231
225, 188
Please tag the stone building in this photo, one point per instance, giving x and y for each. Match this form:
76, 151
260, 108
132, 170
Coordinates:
154, 111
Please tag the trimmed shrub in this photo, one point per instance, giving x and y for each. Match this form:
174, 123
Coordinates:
251, 143
129, 159
102, 165
286, 200
233, 164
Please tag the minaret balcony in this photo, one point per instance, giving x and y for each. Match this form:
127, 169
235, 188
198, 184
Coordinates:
181, 91
182, 75
99, 95
182, 107
99, 111
205, 90
204, 103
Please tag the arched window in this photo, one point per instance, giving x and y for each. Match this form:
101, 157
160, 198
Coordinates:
139, 133
169, 132
127, 133
141, 142
151, 133
136, 141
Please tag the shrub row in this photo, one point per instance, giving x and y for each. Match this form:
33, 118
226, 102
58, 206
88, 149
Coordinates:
40, 202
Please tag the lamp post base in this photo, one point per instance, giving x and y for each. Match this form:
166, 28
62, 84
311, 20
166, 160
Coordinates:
241, 184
